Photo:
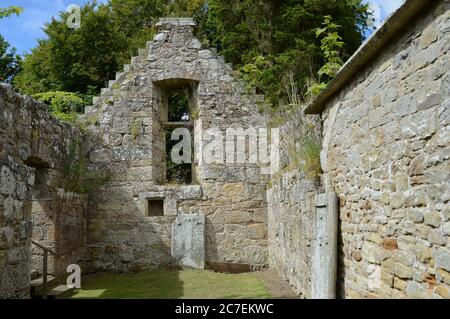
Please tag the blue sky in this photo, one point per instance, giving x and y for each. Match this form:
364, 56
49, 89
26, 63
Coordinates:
22, 32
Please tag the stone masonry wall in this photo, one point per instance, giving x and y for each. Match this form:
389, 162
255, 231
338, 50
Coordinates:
30, 140
60, 223
291, 211
129, 115
387, 156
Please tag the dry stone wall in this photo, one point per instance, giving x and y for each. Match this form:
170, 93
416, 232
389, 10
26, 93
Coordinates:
30, 141
129, 115
387, 156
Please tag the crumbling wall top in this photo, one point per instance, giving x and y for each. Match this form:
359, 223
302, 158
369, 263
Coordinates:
173, 23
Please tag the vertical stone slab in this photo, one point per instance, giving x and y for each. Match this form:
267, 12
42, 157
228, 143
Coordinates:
188, 240
324, 265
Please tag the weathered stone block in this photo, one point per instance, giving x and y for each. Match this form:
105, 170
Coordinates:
433, 219
188, 240
442, 259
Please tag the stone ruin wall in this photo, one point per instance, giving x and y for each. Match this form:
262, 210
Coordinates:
128, 116
291, 200
59, 223
387, 156
291, 212
31, 143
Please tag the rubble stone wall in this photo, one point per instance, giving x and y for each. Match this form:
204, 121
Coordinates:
291, 210
59, 223
129, 116
30, 140
386, 154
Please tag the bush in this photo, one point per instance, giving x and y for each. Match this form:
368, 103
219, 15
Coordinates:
63, 105
303, 142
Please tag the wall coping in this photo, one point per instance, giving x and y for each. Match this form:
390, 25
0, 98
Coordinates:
169, 23
368, 51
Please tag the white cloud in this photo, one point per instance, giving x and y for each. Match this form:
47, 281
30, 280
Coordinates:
388, 6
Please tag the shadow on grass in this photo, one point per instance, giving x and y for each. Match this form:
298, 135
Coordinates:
171, 284
145, 285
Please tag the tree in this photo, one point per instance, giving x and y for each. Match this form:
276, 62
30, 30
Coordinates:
264, 39
331, 45
9, 11
77, 60
268, 39
9, 61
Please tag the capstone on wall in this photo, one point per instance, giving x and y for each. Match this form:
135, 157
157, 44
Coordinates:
386, 153
129, 115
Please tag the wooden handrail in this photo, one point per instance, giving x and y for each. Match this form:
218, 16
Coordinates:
46, 250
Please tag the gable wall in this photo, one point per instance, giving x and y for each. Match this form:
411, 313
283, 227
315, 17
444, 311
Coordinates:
232, 197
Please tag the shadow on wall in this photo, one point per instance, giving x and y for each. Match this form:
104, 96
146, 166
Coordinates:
121, 238
59, 222
210, 240
340, 280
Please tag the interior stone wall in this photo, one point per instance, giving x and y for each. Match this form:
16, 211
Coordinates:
128, 117
59, 223
30, 140
386, 154
291, 210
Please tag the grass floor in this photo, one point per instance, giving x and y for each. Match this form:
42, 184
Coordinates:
174, 284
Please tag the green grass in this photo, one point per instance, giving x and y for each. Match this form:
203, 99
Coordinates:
167, 284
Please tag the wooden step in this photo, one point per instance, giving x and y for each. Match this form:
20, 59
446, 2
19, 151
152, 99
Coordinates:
40, 281
59, 290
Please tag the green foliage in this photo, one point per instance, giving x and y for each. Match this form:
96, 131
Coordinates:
268, 39
331, 46
9, 11
309, 153
304, 141
10, 62
184, 8
176, 173
80, 60
265, 40
63, 105
178, 106
77, 176
136, 129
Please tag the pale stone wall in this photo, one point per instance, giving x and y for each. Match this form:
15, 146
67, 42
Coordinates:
121, 236
15, 230
386, 154
30, 139
291, 211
